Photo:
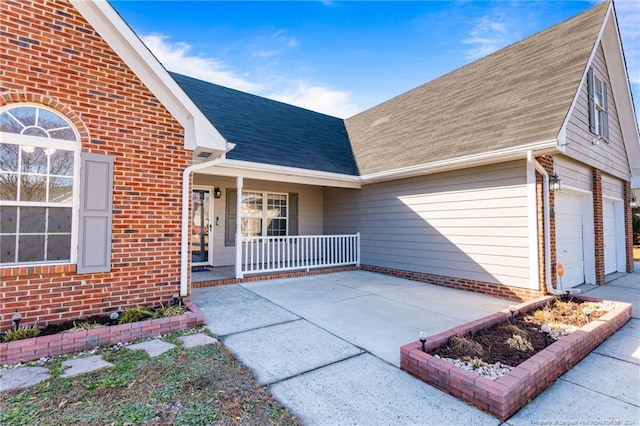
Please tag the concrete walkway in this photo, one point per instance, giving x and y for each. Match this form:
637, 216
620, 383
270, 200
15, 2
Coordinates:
328, 348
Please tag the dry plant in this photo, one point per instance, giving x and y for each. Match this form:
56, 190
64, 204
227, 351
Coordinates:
466, 346
520, 343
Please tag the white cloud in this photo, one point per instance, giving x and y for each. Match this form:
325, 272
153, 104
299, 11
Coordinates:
177, 57
318, 98
490, 33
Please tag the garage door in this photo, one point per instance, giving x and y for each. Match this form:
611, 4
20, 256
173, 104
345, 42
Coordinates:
609, 229
569, 247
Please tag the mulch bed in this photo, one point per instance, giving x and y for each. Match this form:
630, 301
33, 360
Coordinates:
493, 339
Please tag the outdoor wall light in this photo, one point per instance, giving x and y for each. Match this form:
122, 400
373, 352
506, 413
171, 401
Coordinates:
555, 183
633, 201
16, 320
217, 193
513, 310
423, 340
175, 298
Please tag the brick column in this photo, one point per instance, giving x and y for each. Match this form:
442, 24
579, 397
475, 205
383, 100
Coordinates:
598, 226
547, 162
628, 228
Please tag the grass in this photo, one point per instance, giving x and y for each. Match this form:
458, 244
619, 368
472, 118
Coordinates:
205, 385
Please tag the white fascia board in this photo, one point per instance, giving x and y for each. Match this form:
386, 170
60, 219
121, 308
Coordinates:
621, 89
508, 154
260, 171
199, 132
563, 130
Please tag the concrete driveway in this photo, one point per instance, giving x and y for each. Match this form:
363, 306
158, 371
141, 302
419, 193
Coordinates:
327, 346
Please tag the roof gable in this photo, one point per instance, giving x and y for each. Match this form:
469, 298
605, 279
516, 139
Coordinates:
271, 132
516, 96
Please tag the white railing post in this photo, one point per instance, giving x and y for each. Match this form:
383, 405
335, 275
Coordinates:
358, 249
239, 268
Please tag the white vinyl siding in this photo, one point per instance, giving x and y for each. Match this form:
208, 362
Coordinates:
310, 220
573, 174
468, 224
609, 156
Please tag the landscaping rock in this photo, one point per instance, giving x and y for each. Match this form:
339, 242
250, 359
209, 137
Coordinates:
22, 377
78, 366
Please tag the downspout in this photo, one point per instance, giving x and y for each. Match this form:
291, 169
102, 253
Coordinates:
184, 251
547, 222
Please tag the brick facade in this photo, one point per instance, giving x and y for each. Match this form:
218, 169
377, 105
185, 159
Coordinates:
598, 226
628, 227
546, 162
50, 55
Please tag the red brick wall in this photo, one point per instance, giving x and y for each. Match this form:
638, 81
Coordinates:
547, 162
598, 226
628, 227
50, 55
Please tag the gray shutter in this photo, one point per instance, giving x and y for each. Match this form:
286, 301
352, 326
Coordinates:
592, 103
96, 200
230, 218
293, 213
605, 101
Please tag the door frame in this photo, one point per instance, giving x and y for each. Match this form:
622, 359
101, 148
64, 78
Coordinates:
209, 189
619, 229
588, 235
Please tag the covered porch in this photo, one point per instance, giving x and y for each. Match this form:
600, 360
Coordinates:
278, 220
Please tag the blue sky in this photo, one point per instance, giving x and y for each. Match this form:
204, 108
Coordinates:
342, 57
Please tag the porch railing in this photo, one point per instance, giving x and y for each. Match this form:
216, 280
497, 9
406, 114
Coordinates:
273, 254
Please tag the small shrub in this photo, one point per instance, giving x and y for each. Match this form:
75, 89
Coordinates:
169, 311
22, 332
514, 329
84, 326
466, 346
134, 315
564, 305
520, 343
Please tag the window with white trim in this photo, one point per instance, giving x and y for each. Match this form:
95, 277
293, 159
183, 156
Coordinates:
598, 98
38, 162
598, 108
264, 214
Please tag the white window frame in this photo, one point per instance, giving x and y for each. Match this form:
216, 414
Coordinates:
43, 142
598, 94
264, 216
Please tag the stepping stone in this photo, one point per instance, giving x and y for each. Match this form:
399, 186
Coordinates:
22, 377
199, 339
73, 367
153, 347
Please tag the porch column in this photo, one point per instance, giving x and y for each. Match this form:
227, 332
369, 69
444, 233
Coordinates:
239, 182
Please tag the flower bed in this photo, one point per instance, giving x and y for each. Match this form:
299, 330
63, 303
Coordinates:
73, 341
506, 395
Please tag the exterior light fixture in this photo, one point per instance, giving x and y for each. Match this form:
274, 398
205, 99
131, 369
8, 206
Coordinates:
16, 320
217, 193
555, 183
175, 298
113, 317
633, 202
513, 310
423, 340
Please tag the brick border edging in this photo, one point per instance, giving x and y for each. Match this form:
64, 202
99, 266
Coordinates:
291, 274
506, 395
67, 342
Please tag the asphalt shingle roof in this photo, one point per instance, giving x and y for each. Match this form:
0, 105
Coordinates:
518, 95
271, 132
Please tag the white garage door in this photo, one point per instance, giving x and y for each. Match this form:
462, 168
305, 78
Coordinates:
569, 247
610, 245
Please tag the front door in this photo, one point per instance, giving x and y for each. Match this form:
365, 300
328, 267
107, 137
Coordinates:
201, 228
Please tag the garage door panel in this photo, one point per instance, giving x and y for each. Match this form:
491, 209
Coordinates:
610, 243
569, 238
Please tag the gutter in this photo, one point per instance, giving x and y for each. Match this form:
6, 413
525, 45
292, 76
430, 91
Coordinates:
184, 251
547, 222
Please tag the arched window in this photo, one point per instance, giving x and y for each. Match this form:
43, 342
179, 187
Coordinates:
39, 152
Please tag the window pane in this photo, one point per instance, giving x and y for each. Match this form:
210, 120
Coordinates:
49, 120
59, 220
8, 157
251, 227
277, 227
7, 248
8, 186
35, 131
8, 219
26, 115
32, 219
8, 124
65, 134
34, 160
60, 190
252, 204
276, 205
30, 248
33, 188
61, 163
59, 247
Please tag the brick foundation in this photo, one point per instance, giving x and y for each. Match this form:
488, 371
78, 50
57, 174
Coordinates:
63, 343
505, 396
628, 227
598, 226
491, 289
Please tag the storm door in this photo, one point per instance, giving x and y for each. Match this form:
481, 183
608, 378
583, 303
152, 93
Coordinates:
201, 253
